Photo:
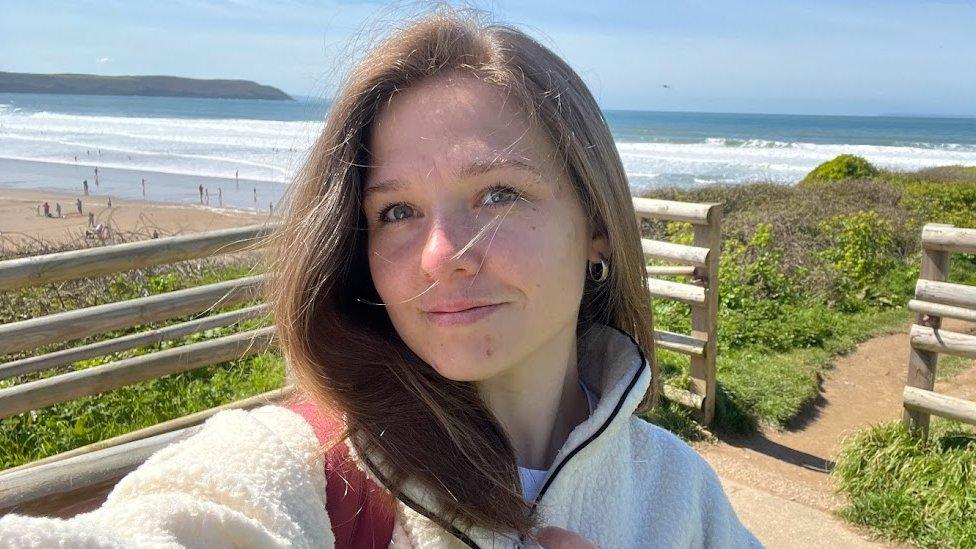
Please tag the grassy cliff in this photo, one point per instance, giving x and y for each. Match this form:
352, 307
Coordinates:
157, 86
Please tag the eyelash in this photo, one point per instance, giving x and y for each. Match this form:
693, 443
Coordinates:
381, 215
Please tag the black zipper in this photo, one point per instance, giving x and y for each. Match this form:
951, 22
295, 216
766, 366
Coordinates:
610, 418
417, 507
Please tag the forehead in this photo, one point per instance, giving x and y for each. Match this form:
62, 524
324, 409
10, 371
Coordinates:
447, 122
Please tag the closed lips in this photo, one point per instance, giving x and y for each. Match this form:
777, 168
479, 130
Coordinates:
458, 307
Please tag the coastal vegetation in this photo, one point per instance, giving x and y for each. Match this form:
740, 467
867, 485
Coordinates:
155, 86
807, 272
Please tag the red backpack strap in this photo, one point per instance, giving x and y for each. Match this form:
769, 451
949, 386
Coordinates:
359, 510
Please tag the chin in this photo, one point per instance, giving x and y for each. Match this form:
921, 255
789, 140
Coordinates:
471, 369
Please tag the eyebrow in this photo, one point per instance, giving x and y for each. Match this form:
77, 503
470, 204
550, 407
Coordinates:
474, 169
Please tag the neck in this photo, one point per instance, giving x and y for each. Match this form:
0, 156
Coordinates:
539, 401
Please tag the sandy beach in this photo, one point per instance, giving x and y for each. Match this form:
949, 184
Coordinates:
20, 219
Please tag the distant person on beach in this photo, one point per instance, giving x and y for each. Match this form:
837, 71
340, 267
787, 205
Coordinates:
144, 187
47, 210
85, 184
96, 174
38, 210
271, 207
206, 195
155, 233
57, 209
236, 180
110, 202
91, 219
255, 195
201, 193
78, 205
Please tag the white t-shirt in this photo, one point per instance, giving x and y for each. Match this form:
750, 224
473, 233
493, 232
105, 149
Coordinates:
532, 478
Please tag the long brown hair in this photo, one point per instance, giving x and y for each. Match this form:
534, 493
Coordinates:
346, 355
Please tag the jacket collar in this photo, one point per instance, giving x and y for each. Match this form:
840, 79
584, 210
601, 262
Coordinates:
612, 365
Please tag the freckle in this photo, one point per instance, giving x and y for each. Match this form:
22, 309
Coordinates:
489, 352
533, 227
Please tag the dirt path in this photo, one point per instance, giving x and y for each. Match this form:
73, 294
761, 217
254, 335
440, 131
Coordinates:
863, 388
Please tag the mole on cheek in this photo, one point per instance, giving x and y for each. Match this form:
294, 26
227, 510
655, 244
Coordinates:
488, 350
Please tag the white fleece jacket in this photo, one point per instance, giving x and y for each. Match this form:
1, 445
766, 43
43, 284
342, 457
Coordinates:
255, 479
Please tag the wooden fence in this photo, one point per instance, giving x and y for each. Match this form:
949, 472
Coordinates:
77, 480
74, 481
936, 299
699, 263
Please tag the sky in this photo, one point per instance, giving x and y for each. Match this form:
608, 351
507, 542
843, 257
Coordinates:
755, 56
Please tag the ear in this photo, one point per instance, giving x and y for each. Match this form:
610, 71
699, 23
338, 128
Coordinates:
599, 248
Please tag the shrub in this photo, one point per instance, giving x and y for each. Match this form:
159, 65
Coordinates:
841, 168
860, 251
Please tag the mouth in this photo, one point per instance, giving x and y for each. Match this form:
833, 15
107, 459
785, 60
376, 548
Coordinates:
463, 317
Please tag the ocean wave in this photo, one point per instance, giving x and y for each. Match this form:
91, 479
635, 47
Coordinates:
757, 143
274, 150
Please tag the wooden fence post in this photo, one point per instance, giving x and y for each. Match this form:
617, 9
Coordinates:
922, 363
704, 318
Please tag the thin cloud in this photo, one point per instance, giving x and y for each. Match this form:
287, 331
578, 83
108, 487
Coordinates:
103, 60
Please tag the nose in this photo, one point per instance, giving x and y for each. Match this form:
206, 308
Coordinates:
452, 248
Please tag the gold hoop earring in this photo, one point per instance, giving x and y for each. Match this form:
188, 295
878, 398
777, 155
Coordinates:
604, 270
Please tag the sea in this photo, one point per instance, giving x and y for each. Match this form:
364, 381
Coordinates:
54, 141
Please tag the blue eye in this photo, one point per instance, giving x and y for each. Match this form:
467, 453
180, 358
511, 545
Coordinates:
399, 212
501, 194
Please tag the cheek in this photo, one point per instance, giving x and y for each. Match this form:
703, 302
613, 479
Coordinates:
540, 256
390, 263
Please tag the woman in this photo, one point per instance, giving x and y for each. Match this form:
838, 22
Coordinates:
459, 290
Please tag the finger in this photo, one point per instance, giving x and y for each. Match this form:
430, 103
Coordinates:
552, 537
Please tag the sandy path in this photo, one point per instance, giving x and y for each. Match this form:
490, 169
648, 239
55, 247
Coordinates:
20, 222
863, 388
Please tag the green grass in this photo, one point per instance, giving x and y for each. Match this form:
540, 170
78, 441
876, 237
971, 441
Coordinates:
949, 366
757, 386
907, 489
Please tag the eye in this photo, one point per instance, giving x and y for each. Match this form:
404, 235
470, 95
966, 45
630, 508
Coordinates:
395, 212
500, 194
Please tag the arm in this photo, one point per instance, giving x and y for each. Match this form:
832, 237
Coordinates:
246, 479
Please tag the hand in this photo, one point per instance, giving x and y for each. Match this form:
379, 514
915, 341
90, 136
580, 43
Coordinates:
552, 537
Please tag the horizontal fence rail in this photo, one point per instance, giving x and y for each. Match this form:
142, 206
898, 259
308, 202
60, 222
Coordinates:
670, 210
69, 356
99, 379
941, 405
946, 238
940, 310
160, 428
80, 323
677, 253
89, 262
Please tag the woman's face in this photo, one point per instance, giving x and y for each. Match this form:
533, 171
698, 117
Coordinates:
477, 243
